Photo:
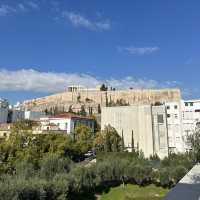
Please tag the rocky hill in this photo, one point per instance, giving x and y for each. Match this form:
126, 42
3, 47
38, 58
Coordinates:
92, 101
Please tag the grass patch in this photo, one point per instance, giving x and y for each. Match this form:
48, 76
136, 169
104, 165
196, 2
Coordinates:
134, 192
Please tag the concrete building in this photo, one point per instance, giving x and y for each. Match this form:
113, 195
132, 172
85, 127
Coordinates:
148, 124
3, 115
160, 131
4, 110
4, 103
65, 122
5, 130
190, 118
174, 124
17, 115
33, 115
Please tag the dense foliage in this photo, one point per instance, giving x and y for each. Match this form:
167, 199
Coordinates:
194, 142
42, 167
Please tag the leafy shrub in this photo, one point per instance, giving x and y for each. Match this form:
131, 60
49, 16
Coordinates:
54, 164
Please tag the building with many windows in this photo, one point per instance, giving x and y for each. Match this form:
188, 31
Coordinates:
174, 125
182, 118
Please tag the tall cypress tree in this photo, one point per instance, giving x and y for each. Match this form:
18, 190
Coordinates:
122, 140
106, 99
132, 142
99, 109
138, 147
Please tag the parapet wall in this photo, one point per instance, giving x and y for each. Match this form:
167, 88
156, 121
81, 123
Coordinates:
133, 97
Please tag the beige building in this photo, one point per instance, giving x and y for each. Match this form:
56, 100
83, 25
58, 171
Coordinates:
5, 130
148, 124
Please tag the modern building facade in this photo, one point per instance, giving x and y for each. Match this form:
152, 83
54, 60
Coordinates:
147, 123
174, 125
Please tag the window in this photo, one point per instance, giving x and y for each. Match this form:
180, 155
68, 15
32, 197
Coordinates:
191, 104
168, 115
198, 110
168, 107
175, 107
176, 116
186, 104
160, 119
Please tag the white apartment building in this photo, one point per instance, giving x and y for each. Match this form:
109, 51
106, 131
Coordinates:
65, 122
174, 124
190, 117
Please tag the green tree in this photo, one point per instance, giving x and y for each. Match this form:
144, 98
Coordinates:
99, 109
194, 141
103, 87
83, 138
177, 173
107, 140
82, 178
82, 111
54, 164
22, 125
70, 110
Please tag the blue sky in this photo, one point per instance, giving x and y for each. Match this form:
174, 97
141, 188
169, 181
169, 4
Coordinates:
48, 44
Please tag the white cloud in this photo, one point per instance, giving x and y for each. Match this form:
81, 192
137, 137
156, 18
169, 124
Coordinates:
103, 25
22, 7
50, 82
33, 5
139, 50
78, 20
6, 10
32, 80
131, 82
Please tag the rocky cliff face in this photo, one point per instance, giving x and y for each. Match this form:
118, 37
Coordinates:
94, 100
